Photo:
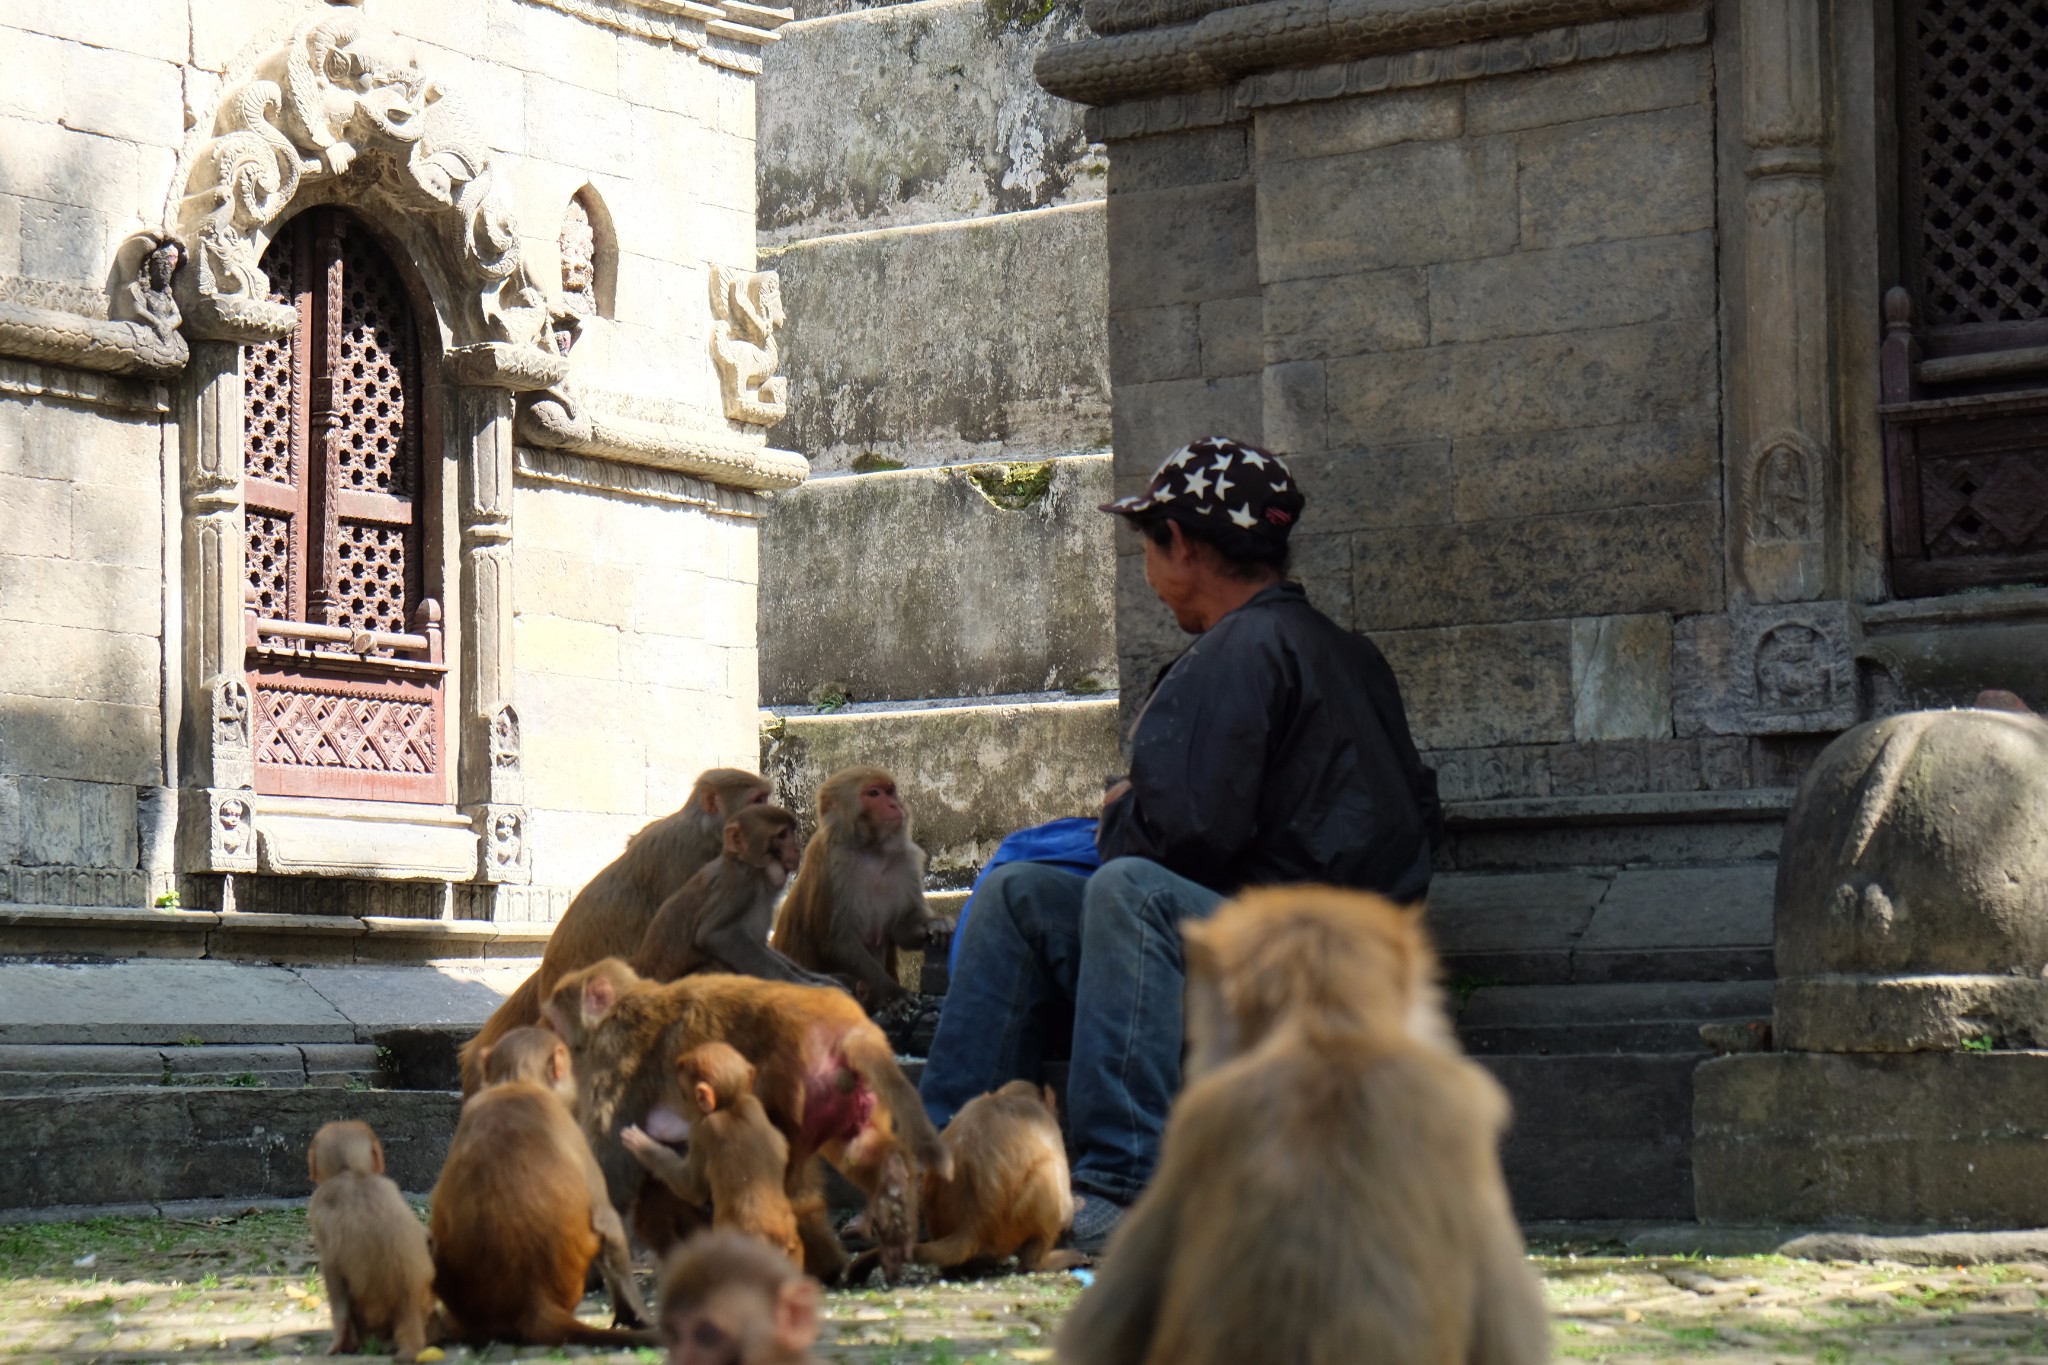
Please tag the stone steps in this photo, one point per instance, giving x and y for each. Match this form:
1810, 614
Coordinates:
100, 933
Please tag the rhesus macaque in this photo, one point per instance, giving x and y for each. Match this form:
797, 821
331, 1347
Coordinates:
737, 1157
1329, 1186
730, 1300
718, 921
611, 913
860, 893
373, 1250
825, 1075
1009, 1194
520, 1213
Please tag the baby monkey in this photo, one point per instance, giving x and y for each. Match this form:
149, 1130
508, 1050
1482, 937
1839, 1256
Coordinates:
728, 1299
737, 1159
373, 1250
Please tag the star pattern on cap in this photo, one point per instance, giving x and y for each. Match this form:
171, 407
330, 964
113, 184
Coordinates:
1198, 484
1221, 469
1253, 458
1243, 517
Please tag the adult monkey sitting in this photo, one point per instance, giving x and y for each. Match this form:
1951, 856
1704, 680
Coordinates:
1273, 750
610, 915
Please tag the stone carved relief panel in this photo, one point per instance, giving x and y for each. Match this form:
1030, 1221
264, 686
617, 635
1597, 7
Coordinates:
1766, 670
746, 307
347, 101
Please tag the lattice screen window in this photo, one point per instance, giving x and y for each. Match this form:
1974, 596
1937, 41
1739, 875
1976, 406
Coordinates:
344, 643
1975, 113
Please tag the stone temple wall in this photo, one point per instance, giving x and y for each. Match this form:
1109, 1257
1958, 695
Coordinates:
566, 193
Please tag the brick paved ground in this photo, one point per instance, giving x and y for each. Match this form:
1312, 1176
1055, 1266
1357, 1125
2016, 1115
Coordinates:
248, 1289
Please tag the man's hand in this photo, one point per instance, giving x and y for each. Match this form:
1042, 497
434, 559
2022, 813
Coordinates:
1109, 797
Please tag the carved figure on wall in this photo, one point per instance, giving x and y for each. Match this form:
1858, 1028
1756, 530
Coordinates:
578, 243
505, 738
232, 828
1794, 669
507, 840
1781, 494
343, 97
747, 306
231, 715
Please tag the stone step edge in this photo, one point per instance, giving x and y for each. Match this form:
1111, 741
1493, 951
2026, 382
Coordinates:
896, 707
231, 934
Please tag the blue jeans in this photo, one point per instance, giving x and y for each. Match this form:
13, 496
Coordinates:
1108, 946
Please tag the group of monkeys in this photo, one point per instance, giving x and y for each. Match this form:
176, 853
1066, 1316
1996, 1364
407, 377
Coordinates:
664, 1013
1329, 1187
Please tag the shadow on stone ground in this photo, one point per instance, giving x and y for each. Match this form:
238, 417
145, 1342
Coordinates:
248, 1288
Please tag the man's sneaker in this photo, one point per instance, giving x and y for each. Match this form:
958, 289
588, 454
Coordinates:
1095, 1217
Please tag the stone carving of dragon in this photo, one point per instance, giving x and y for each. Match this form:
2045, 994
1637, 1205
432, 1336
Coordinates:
747, 308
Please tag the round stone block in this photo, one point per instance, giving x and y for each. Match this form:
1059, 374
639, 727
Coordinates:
1918, 844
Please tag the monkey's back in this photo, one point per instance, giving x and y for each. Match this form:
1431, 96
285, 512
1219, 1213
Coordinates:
512, 1231
1336, 1205
364, 1230
1010, 1175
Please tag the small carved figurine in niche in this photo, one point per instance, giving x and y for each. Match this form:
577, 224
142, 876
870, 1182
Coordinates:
1783, 501
231, 833
506, 839
149, 293
1793, 670
231, 714
505, 738
747, 307
579, 259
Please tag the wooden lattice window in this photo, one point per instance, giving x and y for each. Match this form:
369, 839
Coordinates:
344, 642
1966, 356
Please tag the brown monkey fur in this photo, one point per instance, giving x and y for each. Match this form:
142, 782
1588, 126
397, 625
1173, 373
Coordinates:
730, 1300
718, 921
1010, 1192
859, 895
1329, 1187
611, 913
737, 1157
373, 1250
520, 1213
826, 1076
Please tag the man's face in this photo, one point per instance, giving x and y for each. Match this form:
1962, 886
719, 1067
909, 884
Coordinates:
1175, 574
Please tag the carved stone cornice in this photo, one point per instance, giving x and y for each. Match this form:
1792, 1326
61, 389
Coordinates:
44, 322
1228, 43
588, 425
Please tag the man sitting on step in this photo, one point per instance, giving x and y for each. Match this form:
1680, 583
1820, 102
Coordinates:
1273, 750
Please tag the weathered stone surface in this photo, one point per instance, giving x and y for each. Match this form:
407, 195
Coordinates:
1296, 401
1624, 1017
89, 741
1425, 201
915, 584
1150, 344
1833, 1013
1230, 333
1196, 157
891, 355
33, 1070
1639, 175
1621, 677
933, 115
1473, 685
1598, 1136
1334, 127
1690, 907
1765, 670
969, 775
1154, 420
1589, 90
1382, 310
1950, 665
163, 1002
1531, 913
1653, 559
1595, 378
1919, 844
1951, 1139
1196, 243
60, 822
1601, 284
1514, 474
95, 1147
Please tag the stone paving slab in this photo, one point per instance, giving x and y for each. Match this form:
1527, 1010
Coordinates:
163, 1002
376, 999
1691, 907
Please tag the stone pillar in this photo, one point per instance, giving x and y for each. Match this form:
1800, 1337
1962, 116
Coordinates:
490, 789
1783, 487
1911, 1008
217, 833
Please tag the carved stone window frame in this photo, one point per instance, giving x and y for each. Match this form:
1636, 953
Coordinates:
342, 114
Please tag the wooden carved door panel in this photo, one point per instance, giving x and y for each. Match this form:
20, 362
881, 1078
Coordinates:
344, 645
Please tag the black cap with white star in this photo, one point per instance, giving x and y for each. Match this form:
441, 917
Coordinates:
1222, 485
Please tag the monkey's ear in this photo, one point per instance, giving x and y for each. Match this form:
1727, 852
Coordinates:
796, 1316
735, 837
707, 1098
313, 1163
377, 1155
599, 995
1052, 1102
558, 1064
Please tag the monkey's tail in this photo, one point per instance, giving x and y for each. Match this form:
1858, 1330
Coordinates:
576, 1333
875, 1060
521, 1008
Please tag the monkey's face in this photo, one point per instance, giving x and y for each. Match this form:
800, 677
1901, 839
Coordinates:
741, 1324
880, 807
787, 850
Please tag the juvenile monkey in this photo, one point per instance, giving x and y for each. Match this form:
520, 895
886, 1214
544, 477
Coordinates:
520, 1213
737, 1158
373, 1250
719, 920
1010, 1193
730, 1300
1329, 1186
611, 913
860, 893
827, 1079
